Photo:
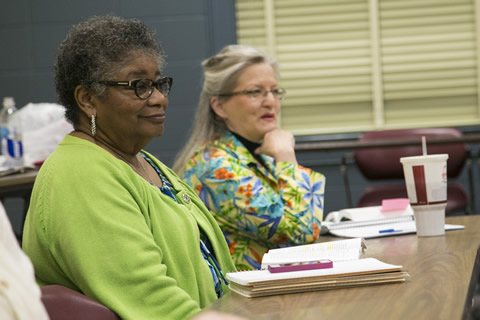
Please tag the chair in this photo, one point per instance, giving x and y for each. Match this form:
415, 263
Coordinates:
64, 303
377, 164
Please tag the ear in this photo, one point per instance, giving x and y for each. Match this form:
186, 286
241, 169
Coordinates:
218, 107
85, 100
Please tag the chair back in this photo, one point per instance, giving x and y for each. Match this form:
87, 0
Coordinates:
384, 163
64, 303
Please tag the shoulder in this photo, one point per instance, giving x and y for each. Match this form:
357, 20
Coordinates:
73, 150
208, 152
226, 145
77, 161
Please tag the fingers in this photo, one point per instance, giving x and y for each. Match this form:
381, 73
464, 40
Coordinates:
279, 144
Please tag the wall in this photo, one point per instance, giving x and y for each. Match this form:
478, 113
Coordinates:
189, 31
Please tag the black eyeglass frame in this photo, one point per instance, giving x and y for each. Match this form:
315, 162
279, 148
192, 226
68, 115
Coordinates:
132, 84
280, 93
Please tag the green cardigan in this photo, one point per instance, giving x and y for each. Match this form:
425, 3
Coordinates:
97, 227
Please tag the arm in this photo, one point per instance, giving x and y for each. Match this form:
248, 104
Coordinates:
20, 296
285, 208
103, 244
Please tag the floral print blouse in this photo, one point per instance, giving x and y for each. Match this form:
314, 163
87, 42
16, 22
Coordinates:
257, 207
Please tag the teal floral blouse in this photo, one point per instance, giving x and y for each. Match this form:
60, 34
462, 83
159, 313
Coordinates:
257, 207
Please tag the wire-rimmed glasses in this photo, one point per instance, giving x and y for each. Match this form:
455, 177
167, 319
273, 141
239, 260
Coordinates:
256, 94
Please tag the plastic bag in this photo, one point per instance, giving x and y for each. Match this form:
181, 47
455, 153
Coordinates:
44, 126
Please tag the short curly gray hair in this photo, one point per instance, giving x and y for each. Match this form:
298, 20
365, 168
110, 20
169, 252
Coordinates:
94, 50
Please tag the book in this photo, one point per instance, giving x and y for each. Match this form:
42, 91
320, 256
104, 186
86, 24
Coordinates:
340, 250
388, 209
348, 269
372, 222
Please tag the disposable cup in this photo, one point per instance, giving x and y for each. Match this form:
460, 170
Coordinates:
430, 219
426, 182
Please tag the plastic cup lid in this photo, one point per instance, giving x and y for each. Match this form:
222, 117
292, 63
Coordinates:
427, 158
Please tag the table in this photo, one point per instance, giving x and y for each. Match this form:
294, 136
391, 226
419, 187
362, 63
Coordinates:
443, 274
18, 185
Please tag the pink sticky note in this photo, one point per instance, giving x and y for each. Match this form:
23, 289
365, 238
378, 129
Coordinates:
394, 204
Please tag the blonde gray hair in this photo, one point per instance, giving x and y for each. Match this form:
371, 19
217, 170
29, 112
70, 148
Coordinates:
221, 73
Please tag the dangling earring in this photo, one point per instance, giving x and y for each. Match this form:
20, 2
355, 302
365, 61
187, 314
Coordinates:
93, 126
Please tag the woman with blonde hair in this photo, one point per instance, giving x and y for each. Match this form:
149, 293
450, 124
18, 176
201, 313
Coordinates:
243, 166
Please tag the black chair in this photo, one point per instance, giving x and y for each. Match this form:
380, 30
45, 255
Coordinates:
64, 303
381, 164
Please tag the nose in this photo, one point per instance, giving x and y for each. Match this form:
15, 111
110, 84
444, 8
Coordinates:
158, 97
269, 96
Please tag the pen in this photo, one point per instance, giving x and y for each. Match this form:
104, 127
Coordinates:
389, 230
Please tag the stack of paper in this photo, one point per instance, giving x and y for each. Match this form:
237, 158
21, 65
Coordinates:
348, 270
368, 271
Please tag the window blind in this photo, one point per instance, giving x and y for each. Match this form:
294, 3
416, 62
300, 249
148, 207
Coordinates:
429, 63
356, 65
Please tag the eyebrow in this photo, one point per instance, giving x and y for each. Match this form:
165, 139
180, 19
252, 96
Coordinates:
255, 86
140, 73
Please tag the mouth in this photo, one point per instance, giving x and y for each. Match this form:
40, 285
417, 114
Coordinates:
268, 117
159, 117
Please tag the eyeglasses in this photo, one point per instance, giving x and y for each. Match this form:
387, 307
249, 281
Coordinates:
144, 87
257, 93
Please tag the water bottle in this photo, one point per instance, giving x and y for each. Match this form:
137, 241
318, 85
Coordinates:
3, 126
11, 135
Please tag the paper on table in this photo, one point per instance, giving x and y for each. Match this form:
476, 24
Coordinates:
319, 283
344, 273
360, 266
367, 222
334, 250
384, 230
366, 214
4, 171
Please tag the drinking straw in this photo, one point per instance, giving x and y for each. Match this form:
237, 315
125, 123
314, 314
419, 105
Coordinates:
424, 146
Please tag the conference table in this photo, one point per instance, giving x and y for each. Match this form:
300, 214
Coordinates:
443, 274
18, 185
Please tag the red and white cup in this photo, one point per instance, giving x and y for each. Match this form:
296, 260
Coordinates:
426, 182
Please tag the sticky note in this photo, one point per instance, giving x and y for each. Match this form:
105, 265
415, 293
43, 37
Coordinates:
394, 204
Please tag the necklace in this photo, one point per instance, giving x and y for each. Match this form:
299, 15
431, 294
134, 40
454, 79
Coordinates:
144, 175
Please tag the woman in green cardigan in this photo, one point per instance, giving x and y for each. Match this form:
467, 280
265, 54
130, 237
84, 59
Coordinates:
106, 218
